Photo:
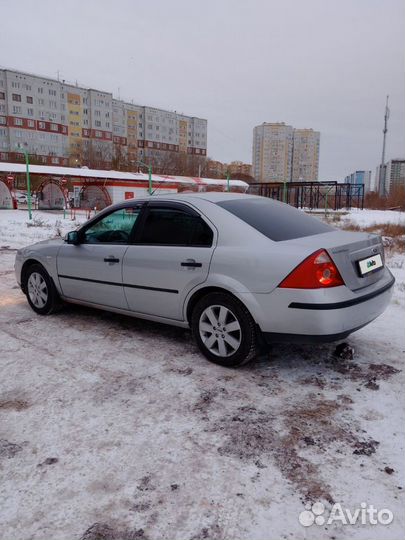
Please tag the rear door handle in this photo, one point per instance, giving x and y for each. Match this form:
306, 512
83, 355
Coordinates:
191, 263
111, 259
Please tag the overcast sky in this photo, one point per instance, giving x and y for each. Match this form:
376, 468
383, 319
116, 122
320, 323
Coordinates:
323, 64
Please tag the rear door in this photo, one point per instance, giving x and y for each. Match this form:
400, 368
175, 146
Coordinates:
92, 271
171, 255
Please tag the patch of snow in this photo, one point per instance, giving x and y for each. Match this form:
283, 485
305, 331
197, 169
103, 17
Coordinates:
16, 230
365, 218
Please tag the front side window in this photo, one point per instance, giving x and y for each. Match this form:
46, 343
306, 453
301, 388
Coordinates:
115, 228
170, 226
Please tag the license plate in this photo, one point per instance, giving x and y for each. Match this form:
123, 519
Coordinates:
370, 264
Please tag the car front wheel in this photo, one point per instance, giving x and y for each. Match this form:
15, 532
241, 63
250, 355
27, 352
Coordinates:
41, 293
224, 330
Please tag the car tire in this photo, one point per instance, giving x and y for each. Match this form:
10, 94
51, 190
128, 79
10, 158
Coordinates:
224, 330
40, 290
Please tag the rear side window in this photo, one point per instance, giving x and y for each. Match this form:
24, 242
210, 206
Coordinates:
275, 220
167, 226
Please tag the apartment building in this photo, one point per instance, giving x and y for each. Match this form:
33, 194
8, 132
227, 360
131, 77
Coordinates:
282, 153
217, 169
359, 177
394, 176
64, 124
272, 152
305, 155
238, 168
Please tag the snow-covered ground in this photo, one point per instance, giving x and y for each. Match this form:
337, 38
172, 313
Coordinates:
363, 218
17, 230
122, 423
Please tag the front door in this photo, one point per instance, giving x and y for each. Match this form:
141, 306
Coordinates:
170, 256
92, 270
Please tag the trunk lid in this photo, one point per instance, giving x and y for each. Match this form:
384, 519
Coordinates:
346, 249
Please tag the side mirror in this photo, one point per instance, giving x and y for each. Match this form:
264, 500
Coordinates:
72, 237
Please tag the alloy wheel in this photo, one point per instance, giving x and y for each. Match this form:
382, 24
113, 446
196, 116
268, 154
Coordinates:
37, 290
220, 330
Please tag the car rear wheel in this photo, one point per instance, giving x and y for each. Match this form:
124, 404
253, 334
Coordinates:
41, 293
224, 330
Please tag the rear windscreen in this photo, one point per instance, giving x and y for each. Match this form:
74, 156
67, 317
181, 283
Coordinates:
275, 220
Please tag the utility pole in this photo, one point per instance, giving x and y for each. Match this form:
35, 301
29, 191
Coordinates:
381, 176
27, 173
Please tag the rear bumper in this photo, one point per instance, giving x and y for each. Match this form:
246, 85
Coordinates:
273, 337
345, 303
320, 315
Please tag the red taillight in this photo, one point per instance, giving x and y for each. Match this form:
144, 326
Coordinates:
317, 271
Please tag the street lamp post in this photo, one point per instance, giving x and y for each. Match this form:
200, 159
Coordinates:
149, 174
228, 177
27, 169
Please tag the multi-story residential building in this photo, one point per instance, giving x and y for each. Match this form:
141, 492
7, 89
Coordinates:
236, 168
63, 124
305, 155
284, 154
393, 173
359, 177
215, 169
272, 152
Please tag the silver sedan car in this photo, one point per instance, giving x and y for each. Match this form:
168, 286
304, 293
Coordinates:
240, 270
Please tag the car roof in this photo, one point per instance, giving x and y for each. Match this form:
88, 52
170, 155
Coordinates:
212, 196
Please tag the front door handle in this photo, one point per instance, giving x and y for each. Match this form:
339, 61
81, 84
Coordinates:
111, 259
191, 263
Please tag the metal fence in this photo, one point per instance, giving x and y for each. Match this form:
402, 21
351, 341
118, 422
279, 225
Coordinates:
330, 195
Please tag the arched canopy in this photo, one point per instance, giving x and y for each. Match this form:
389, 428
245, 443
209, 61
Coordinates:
92, 196
51, 195
6, 198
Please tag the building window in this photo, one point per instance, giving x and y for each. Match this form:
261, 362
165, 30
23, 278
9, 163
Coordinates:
31, 123
18, 122
16, 109
40, 90
15, 84
16, 97
29, 99
2, 95
41, 125
97, 123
